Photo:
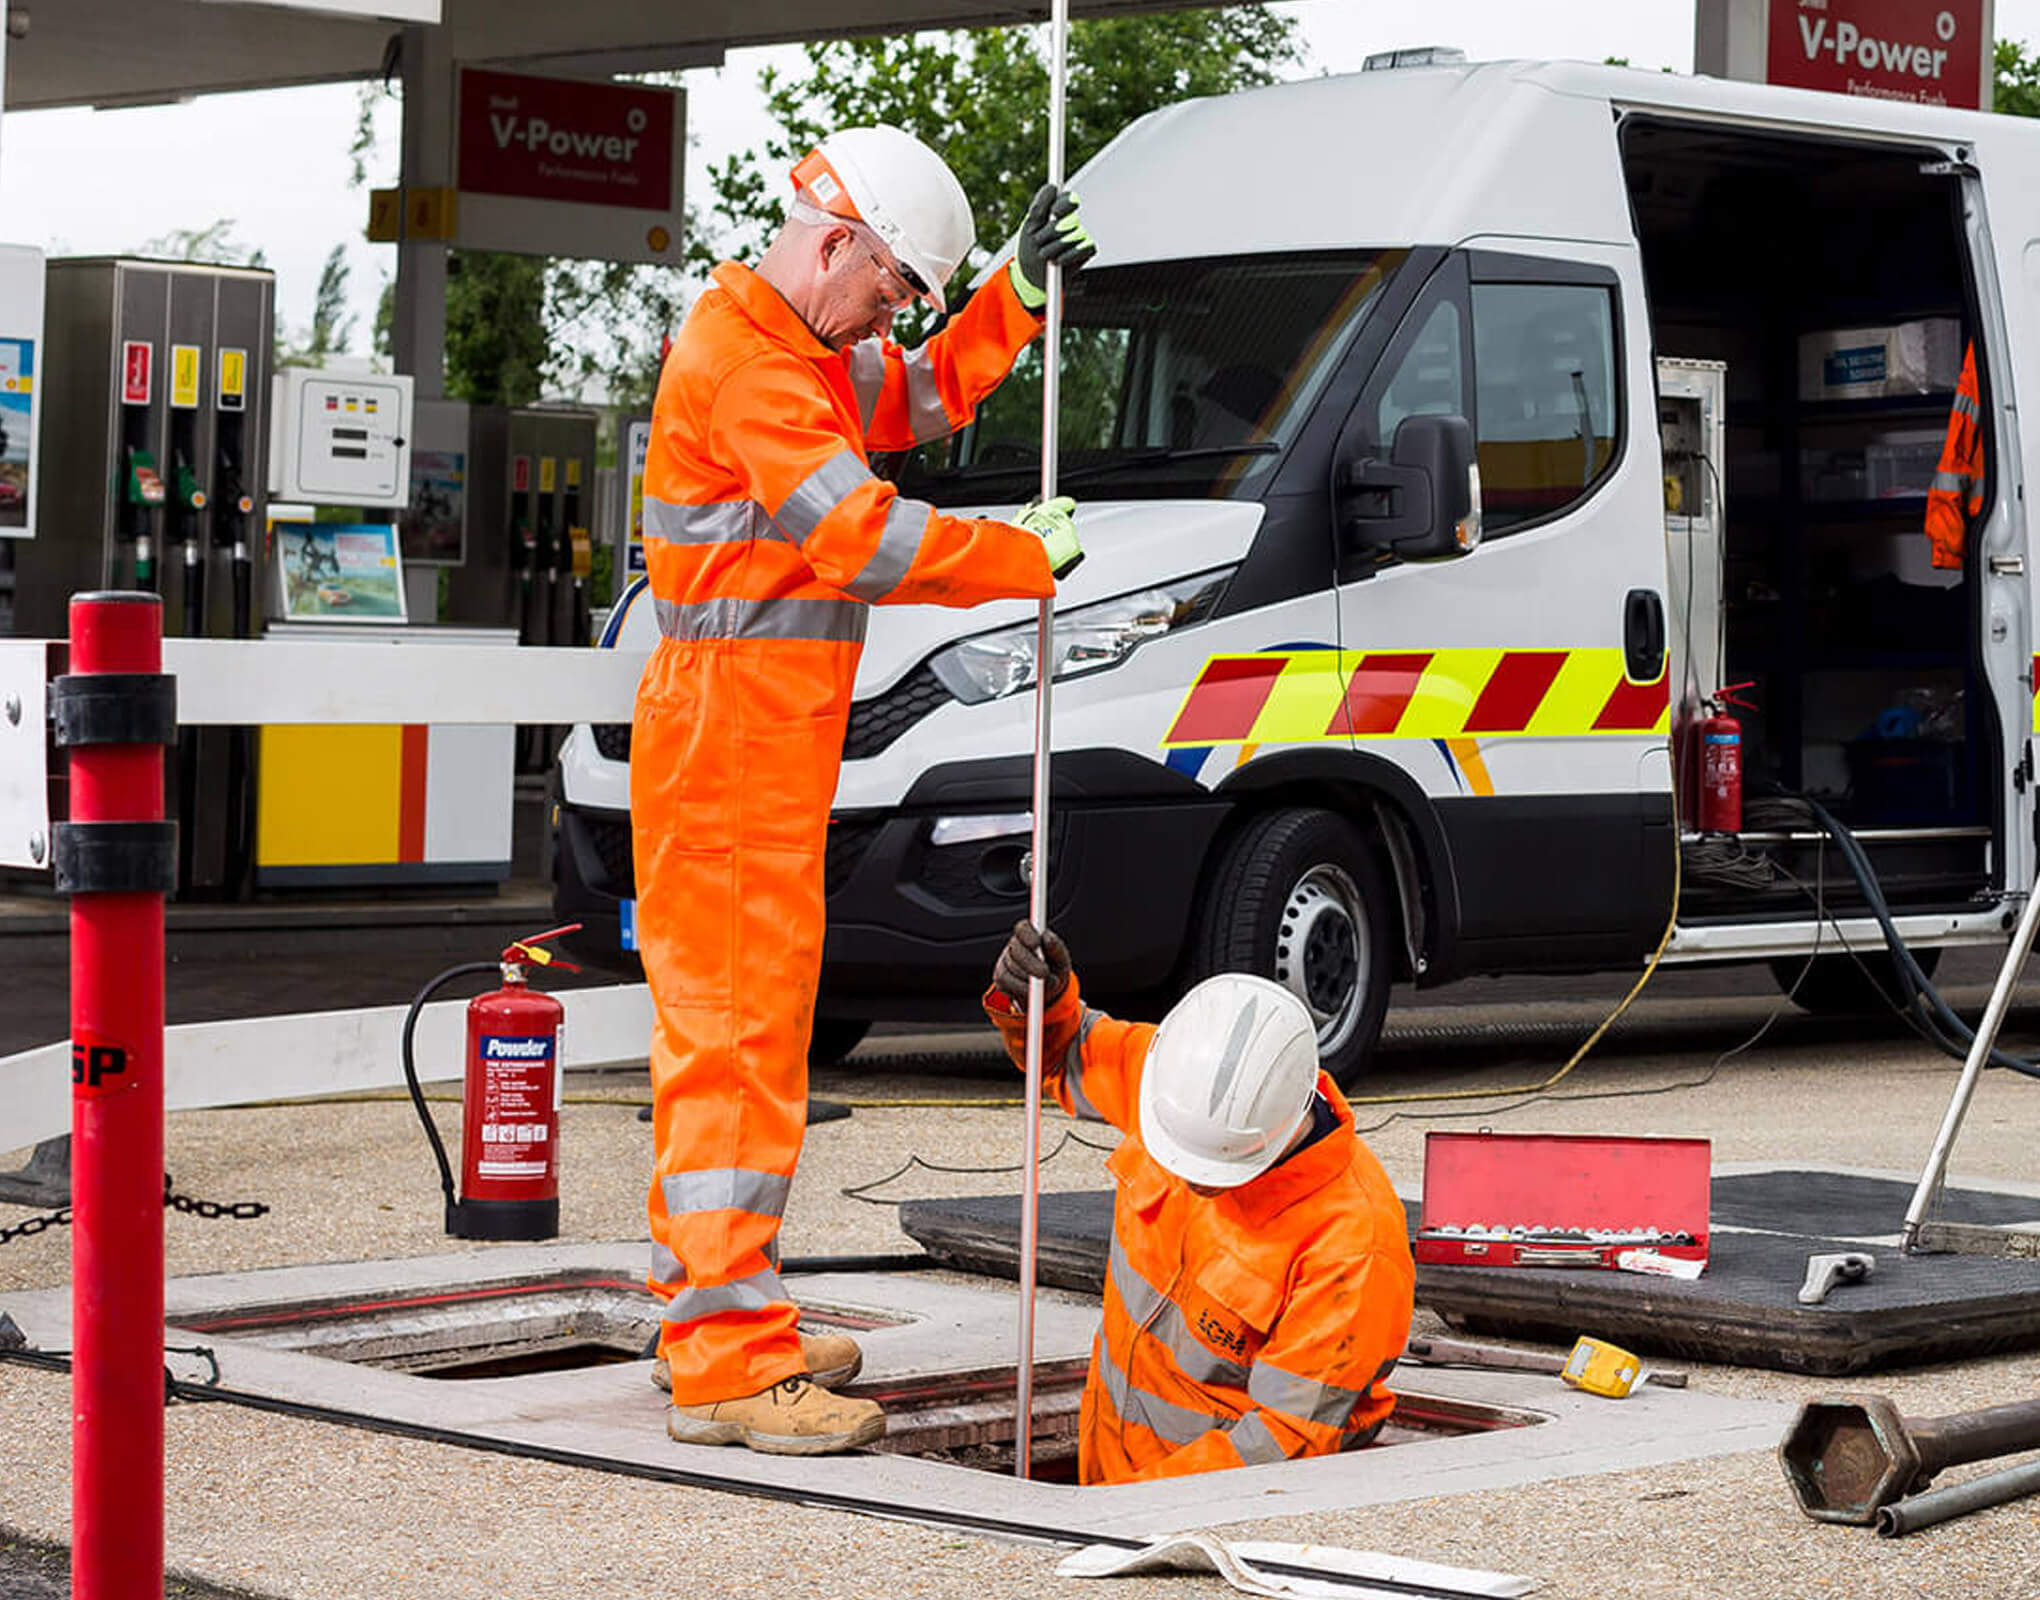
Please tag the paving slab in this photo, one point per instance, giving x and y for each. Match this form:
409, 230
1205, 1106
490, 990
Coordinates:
610, 1413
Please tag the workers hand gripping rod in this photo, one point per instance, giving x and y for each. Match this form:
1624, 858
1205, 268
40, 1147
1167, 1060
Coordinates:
1032, 953
1054, 523
1051, 236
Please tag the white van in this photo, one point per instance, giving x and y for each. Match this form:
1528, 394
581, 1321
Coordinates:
1444, 439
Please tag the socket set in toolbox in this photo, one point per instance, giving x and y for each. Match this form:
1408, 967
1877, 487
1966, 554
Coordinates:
1585, 1200
1539, 1232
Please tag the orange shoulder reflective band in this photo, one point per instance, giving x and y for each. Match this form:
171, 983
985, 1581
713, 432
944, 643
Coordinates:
1301, 696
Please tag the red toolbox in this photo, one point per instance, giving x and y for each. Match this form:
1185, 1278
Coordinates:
1561, 1199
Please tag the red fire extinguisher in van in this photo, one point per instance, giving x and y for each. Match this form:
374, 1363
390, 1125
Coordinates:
1719, 737
510, 1099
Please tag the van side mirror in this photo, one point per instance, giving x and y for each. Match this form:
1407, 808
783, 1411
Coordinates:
1423, 503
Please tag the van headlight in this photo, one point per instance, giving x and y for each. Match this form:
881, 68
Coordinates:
1088, 639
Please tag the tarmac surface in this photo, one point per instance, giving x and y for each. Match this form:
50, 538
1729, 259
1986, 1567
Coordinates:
272, 1506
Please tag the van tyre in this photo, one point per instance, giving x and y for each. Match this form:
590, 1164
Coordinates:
1848, 985
1299, 897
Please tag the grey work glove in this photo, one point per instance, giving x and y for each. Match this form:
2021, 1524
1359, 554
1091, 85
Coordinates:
1051, 235
1032, 954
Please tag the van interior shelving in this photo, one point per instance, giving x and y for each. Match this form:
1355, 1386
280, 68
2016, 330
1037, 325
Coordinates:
1864, 690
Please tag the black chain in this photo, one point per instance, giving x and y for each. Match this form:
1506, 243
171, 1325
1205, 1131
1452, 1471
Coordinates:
36, 1225
239, 1211
211, 1210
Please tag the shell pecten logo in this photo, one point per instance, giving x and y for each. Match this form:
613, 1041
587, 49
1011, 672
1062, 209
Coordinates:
1301, 696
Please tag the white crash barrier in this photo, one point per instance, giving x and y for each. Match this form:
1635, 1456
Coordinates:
313, 1053
235, 682
252, 681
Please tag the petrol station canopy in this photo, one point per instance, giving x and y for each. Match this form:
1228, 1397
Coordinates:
140, 52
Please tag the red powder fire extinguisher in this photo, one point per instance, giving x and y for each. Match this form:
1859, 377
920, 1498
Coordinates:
1719, 737
510, 1099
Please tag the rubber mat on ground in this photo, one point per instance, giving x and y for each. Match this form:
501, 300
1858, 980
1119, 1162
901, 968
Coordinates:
1743, 1311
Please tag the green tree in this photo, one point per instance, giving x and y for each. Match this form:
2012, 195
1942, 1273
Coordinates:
981, 99
332, 329
497, 343
214, 243
2015, 87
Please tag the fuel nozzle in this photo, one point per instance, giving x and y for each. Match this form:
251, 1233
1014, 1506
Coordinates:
234, 506
187, 498
142, 493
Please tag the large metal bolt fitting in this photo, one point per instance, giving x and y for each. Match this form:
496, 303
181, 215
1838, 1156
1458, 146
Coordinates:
1845, 1458
1848, 1457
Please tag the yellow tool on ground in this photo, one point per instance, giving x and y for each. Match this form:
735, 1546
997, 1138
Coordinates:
1601, 1368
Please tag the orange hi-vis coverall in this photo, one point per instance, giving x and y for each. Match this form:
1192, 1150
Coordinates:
1249, 1326
767, 538
1956, 497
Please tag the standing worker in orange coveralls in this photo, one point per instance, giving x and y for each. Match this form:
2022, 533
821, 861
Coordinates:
767, 538
1260, 1286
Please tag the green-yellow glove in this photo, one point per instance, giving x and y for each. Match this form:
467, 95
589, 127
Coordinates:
1052, 235
1052, 522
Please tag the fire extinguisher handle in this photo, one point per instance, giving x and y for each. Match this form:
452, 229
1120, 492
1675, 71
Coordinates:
531, 949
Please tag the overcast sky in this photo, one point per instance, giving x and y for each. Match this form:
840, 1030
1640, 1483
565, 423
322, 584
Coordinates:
92, 182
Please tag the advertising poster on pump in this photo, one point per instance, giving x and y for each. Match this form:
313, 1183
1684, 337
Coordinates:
638, 448
339, 572
17, 429
435, 524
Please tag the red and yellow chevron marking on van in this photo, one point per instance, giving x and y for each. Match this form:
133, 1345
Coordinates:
1297, 696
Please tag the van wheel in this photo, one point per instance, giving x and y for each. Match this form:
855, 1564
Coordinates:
1298, 898
1847, 985
834, 1038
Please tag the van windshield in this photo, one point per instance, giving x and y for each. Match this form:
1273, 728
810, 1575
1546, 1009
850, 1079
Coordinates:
1179, 378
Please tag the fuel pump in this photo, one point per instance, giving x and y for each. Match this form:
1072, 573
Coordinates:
510, 1099
546, 588
141, 496
580, 557
524, 563
232, 509
187, 500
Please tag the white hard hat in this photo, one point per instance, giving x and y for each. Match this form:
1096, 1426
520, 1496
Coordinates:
1229, 1080
900, 189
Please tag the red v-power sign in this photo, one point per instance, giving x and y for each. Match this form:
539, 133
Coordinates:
1930, 52
603, 144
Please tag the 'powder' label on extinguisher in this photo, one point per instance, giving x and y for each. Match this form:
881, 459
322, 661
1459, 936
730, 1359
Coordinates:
519, 1108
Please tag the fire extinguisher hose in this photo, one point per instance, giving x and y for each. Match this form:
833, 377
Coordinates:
411, 1070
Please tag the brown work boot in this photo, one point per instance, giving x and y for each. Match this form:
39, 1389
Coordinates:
793, 1418
832, 1358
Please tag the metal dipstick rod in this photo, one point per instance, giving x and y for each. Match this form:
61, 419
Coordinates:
1965, 1088
1044, 671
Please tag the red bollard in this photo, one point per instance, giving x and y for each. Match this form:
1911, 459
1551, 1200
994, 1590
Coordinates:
114, 712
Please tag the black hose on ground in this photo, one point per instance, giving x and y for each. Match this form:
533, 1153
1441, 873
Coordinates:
1923, 1004
411, 1071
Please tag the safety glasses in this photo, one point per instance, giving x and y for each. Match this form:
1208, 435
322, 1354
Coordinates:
890, 267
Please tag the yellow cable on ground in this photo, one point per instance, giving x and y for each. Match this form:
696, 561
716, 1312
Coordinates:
1607, 1022
375, 1096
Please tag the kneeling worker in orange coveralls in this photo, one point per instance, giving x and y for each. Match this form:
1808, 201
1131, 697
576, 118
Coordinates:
1260, 1284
